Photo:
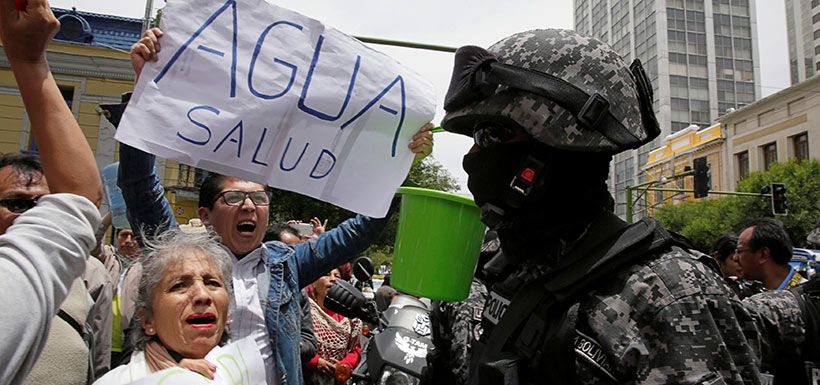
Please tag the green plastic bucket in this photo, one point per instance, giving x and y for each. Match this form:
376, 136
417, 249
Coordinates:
437, 244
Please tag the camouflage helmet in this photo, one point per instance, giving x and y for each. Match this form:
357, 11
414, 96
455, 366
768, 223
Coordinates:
568, 62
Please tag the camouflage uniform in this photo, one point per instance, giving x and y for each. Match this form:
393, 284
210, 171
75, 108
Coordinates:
651, 315
782, 330
741, 287
667, 320
744, 288
455, 326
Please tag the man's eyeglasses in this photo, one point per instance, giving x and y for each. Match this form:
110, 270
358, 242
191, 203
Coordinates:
19, 205
741, 250
235, 197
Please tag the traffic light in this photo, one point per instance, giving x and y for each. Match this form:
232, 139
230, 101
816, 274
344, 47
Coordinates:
701, 177
779, 206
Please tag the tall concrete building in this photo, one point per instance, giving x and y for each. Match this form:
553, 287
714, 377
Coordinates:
803, 32
701, 56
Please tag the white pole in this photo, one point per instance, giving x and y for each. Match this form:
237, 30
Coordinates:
146, 22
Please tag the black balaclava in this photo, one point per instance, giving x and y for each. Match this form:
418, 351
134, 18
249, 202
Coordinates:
569, 194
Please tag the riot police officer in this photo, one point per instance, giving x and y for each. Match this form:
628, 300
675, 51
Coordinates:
579, 296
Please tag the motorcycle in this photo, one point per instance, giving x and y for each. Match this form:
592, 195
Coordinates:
396, 351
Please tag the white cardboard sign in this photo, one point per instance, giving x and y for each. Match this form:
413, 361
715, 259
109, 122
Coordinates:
237, 363
252, 90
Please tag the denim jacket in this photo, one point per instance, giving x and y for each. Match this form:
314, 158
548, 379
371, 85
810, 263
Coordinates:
294, 267
287, 268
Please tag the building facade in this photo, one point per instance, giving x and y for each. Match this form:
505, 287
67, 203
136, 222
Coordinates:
700, 55
778, 128
803, 34
90, 60
91, 65
676, 155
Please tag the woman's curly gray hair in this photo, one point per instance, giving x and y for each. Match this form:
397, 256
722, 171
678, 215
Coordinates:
159, 252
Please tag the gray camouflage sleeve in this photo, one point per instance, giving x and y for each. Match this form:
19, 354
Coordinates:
672, 320
460, 349
464, 316
779, 323
696, 340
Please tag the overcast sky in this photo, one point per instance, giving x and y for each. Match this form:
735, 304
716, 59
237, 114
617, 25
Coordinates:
461, 22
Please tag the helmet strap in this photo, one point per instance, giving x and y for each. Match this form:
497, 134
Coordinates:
523, 184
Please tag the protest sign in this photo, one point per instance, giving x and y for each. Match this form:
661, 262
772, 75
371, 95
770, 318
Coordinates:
252, 90
174, 376
238, 363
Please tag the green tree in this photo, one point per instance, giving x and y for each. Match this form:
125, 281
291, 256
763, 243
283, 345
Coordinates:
706, 220
802, 181
702, 222
288, 205
431, 174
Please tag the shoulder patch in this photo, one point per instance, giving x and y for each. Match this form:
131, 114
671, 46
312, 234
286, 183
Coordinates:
590, 351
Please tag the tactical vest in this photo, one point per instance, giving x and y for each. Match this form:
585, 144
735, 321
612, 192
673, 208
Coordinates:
530, 334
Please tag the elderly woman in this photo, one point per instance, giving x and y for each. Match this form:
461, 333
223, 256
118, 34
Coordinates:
184, 295
337, 337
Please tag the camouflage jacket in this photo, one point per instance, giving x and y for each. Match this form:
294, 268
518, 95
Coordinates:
782, 329
666, 320
455, 326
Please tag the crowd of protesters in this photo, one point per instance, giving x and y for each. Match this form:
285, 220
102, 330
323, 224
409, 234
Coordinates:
79, 311
171, 305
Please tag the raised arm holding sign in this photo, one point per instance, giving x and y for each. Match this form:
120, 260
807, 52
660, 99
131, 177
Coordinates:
238, 209
46, 230
266, 94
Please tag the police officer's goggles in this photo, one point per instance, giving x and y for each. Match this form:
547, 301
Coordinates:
489, 133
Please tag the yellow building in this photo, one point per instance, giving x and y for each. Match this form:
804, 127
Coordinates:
676, 155
88, 75
782, 126
182, 189
90, 61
